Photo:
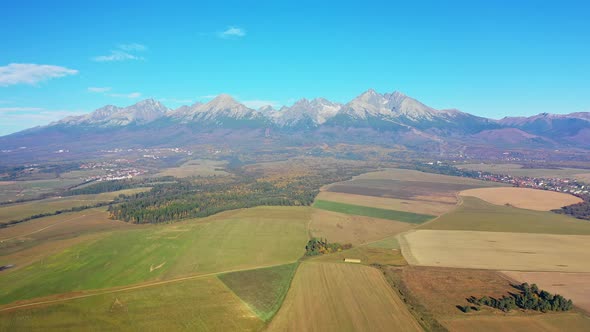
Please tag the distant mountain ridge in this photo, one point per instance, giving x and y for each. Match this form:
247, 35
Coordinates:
388, 119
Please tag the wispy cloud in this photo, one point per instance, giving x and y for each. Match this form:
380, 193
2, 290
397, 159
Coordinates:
259, 103
123, 52
132, 47
99, 90
133, 95
232, 32
30, 73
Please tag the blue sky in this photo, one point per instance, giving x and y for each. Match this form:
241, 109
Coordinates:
490, 58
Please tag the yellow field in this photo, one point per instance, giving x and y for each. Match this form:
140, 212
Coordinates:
571, 322
199, 167
342, 297
424, 207
412, 175
575, 286
496, 250
346, 228
524, 198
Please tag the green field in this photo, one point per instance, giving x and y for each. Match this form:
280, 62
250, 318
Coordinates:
203, 304
14, 190
263, 290
49, 205
408, 217
388, 243
233, 240
476, 215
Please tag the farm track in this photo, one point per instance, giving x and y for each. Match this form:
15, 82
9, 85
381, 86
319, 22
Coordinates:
134, 287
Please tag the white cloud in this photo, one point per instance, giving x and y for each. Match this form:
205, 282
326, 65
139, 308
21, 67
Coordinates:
233, 32
123, 52
132, 47
133, 95
117, 55
259, 103
30, 73
99, 90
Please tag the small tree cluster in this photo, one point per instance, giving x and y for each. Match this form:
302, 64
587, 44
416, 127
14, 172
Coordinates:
529, 298
318, 246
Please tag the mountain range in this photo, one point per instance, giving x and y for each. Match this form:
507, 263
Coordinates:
372, 117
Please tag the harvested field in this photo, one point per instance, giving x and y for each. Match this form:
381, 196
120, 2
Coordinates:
402, 216
441, 289
524, 198
413, 175
33, 188
387, 243
497, 251
341, 297
477, 215
575, 286
345, 228
427, 206
552, 322
200, 305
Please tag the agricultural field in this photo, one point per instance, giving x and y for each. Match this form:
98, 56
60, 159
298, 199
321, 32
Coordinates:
263, 290
474, 214
197, 167
234, 240
414, 206
575, 286
407, 217
49, 205
367, 255
540, 322
203, 304
15, 190
518, 170
497, 250
341, 297
524, 198
354, 229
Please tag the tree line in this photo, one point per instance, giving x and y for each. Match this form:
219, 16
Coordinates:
319, 246
529, 298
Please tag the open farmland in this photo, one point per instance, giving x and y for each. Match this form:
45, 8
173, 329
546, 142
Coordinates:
574, 322
524, 198
414, 206
496, 250
204, 304
402, 216
198, 167
341, 297
518, 170
263, 290
49, 205
575, 286
14, 190
345, 228
232, 240
476, 215
367, 255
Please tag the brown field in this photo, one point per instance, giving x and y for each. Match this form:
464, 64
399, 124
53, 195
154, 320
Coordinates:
518, 170
550, 322
497, 250
412, 175
346, 228
6, 183
426, 206
441, 289
575, 286
524, 198
341, 297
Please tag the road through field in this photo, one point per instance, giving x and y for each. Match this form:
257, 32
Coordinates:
65, 297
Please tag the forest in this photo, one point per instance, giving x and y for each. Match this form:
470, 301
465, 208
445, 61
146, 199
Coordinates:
201, 197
